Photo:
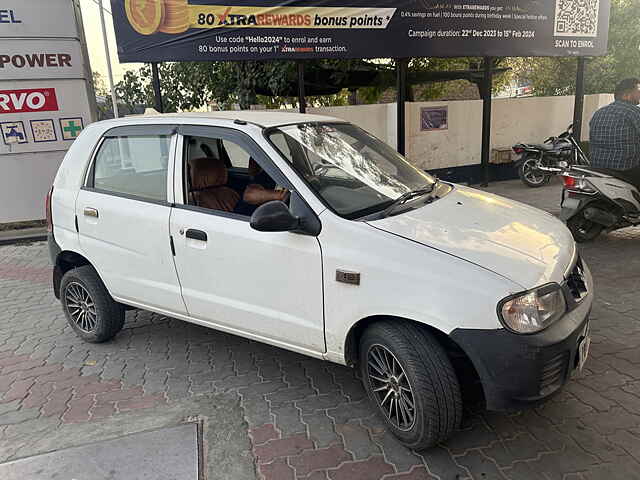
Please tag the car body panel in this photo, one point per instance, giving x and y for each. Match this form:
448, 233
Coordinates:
402, 279
268, 284
519, 242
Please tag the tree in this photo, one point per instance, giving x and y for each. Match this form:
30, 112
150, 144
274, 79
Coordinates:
99, 85
556, 76
193, 85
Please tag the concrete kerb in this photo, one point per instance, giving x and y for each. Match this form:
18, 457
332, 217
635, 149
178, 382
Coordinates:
10, 237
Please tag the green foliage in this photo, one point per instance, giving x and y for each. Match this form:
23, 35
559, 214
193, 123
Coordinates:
99, 85
556, 76
193, 85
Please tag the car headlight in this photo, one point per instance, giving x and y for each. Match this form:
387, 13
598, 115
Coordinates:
533, 311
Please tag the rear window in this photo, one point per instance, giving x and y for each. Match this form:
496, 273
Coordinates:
133, 165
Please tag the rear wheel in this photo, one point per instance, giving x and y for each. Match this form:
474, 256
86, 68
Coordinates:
531, 175
90, 310
582, 229
409, 377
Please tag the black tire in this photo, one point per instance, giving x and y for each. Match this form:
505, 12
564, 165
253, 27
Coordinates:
582, 229
430, 377
530, 179
99, 323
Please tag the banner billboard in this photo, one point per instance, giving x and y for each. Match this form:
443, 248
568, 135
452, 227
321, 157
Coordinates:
201, 30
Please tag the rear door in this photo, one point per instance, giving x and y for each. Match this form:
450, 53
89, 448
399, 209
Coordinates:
123, 216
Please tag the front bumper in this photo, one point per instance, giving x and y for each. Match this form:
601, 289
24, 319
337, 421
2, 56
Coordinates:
523, 370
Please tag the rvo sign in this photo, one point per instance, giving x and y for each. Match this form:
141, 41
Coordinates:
28, 100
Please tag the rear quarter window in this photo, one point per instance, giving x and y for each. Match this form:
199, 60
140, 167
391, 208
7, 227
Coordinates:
133, 165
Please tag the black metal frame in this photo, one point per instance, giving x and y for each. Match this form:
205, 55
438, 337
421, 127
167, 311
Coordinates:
401, 84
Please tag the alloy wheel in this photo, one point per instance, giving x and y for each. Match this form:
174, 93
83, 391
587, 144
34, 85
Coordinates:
532, 173
391, 387
81, 307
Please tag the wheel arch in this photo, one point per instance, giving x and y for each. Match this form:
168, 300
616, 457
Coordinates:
66, 260
463, 363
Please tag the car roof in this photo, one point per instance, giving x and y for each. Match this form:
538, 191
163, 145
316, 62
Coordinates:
266, 119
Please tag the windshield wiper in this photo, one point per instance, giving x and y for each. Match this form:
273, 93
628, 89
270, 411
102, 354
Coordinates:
406, 197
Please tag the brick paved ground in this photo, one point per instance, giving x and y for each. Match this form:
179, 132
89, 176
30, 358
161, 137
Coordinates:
305, 418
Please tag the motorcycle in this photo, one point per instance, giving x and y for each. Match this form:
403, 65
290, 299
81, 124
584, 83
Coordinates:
539, 162
596, 200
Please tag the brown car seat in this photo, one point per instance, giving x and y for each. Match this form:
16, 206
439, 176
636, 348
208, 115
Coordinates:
208, 185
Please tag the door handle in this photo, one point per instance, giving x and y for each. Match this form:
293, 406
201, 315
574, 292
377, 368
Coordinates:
90, 212
196, 235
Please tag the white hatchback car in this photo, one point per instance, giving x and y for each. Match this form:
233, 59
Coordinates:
309, 234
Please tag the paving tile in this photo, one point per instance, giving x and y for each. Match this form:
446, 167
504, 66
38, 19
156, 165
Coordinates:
570, 460
400, 457
282, 447
321, 429
288, 420
361, 470
277, 470
263, 434
442, 464
319, 459
591, 441
522, 447
417, 473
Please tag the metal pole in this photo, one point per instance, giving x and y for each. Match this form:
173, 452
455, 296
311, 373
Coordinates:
401, 87
114, 99
157, 94
578, 108
302, 100
487, 84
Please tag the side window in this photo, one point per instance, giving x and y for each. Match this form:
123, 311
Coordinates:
237, 155
226, 180
133, 165
280, 142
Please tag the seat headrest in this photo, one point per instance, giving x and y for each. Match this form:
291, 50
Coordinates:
207, 172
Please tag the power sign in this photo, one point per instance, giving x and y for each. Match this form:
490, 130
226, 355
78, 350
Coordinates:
28, 100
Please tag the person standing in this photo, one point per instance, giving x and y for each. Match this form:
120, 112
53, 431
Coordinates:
615, 129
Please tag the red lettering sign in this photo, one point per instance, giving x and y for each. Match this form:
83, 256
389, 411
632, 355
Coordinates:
28, 100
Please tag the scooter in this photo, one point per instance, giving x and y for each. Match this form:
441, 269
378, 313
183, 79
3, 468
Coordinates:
538, 163
596, 200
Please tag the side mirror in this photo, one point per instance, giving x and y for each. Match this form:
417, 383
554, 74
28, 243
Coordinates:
274, 216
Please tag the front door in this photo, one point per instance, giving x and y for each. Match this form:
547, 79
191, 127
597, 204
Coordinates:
123, 217
266, 286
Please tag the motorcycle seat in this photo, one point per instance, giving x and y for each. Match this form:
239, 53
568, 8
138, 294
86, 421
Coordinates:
548, 147
631, 176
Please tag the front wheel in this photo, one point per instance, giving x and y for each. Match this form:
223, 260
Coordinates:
409, 377
531, 175
582, 229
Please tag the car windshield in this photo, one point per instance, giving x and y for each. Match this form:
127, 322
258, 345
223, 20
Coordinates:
355, 173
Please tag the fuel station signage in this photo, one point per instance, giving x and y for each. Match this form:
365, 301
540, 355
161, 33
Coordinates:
28, 100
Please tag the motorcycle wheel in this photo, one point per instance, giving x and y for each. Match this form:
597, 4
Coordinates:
531, 176
583, 230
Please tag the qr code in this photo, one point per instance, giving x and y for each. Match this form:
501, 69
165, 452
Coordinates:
577, 18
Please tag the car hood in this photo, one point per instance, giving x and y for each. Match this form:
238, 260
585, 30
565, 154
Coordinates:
526, 245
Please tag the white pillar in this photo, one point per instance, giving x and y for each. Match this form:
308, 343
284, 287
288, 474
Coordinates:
114, 99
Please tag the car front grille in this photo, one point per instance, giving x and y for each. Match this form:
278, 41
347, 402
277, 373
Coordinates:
553, 373
576, 282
